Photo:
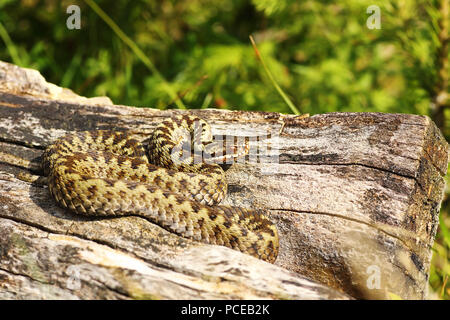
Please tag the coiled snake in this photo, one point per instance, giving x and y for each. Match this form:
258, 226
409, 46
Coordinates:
107, 173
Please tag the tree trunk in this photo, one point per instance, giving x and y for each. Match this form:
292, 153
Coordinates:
355, 197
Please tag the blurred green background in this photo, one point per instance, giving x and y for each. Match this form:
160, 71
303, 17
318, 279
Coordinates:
321, 53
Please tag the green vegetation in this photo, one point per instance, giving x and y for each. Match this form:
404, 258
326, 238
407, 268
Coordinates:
197, 53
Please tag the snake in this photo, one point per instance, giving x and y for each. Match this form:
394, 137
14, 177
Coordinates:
110, 173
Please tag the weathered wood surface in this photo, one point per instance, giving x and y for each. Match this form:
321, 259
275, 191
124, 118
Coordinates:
352, 194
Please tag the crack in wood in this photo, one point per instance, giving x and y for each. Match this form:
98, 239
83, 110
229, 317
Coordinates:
25, 276
378, 228
22, 143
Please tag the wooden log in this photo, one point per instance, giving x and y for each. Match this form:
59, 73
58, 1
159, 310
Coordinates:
355, 196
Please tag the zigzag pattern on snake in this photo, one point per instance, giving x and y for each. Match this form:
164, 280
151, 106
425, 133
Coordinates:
107, 173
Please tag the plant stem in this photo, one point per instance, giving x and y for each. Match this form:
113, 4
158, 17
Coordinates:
272, 79
441, 97
10, 46
137, 51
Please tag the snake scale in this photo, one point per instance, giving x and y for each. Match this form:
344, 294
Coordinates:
108, 173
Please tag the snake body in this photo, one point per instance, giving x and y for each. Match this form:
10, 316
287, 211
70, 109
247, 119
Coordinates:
107, 173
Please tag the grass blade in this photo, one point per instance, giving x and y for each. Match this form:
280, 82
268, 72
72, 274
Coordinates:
272, 79
137, 51
10, 46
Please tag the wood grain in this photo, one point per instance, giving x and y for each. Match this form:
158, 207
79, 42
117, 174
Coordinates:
352, 194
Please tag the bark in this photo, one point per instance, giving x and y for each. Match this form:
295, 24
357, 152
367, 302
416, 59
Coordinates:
355, 196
